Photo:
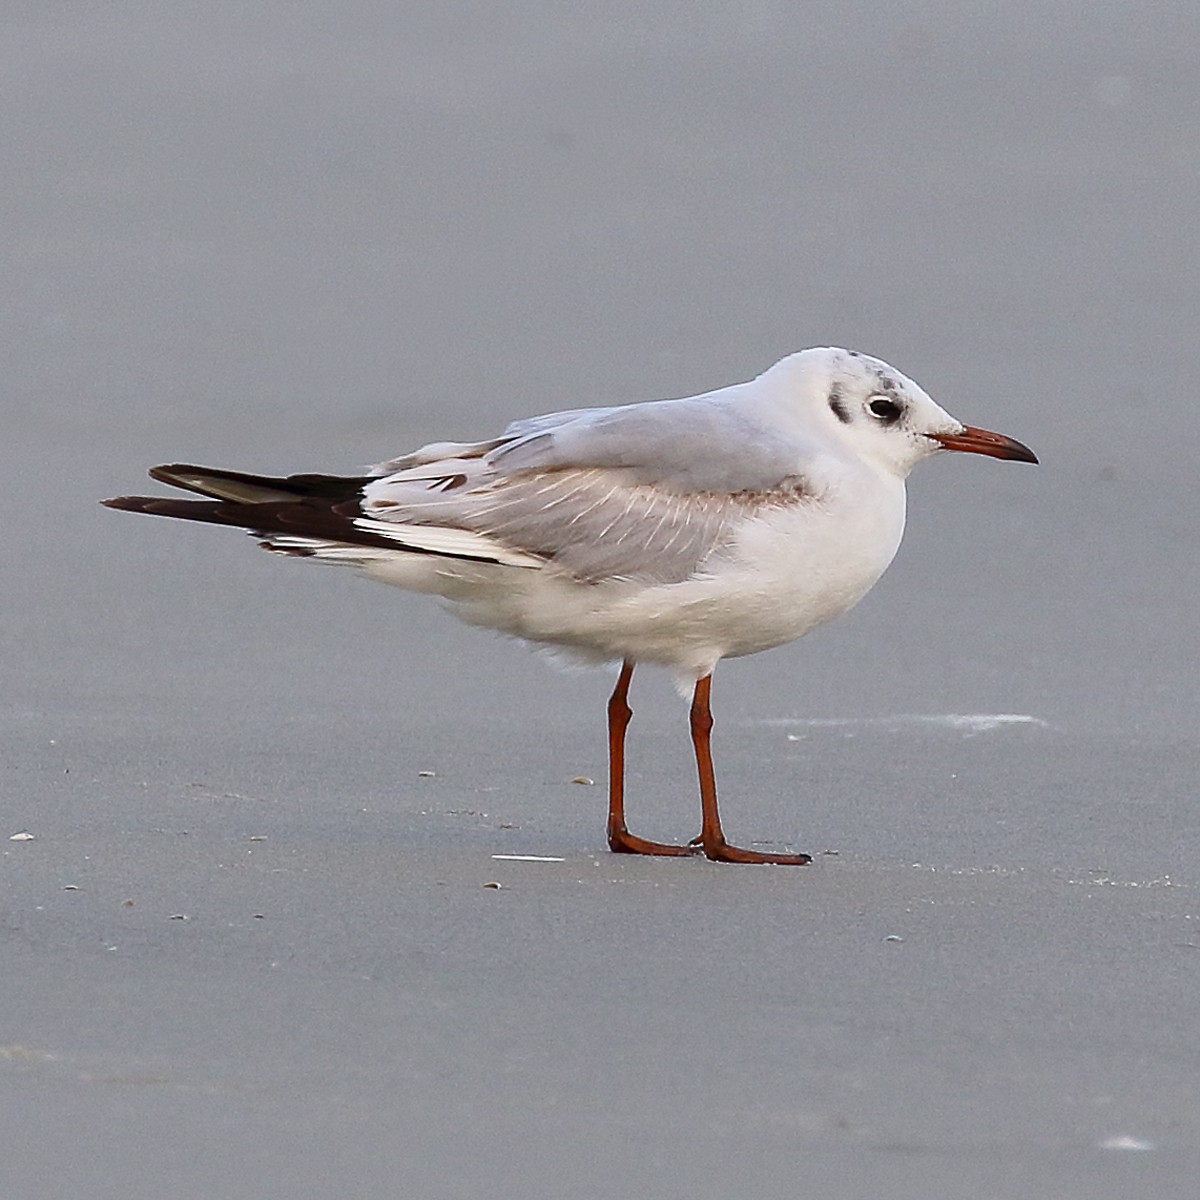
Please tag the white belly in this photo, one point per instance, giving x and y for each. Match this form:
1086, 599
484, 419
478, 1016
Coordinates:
789, 571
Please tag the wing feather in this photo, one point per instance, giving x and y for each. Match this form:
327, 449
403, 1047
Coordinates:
642, 491
594, 523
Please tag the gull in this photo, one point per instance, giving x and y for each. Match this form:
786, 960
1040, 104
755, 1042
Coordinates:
676, 532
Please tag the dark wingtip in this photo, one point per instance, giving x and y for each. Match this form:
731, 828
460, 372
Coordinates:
156, 506
185, 476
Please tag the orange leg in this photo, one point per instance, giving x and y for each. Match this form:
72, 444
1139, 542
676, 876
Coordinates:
711, 836
620, 840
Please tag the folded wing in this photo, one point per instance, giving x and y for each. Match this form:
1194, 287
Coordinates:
646, 492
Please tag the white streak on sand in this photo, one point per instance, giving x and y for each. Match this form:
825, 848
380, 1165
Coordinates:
528, 858
960, 722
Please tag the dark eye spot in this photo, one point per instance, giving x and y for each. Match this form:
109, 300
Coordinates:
888, 411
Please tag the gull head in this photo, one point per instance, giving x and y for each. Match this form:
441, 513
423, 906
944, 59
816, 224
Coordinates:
878, 413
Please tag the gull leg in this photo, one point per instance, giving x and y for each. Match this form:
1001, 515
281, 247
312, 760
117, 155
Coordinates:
620, 840
711, 836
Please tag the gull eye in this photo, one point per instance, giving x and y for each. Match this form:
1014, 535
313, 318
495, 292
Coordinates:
888, 411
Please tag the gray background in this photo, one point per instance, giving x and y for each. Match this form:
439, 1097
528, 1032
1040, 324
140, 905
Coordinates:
249, 952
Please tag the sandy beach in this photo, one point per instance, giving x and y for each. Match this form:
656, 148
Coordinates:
252, 944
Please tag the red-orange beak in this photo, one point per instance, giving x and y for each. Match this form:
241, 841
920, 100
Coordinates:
983, 441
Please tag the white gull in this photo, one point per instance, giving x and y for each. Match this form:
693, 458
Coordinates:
676, 532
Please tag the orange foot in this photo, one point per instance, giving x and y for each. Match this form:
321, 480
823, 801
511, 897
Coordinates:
621, 841
722, 851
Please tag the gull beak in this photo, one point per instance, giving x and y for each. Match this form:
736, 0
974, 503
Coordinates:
983, 441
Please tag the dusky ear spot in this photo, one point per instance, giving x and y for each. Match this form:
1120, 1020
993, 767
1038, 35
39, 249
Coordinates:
838, 405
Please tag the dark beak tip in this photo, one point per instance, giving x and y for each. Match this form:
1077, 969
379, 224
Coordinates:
1019, 452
